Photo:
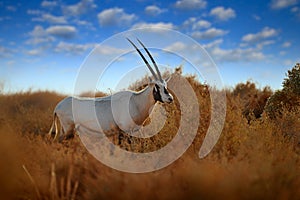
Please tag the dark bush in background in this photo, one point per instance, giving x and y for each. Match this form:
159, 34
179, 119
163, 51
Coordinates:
288, 98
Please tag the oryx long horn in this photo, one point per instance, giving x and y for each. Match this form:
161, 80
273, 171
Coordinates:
146, 62
154, 63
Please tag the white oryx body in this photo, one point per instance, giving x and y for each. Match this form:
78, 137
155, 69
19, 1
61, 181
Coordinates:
125, 110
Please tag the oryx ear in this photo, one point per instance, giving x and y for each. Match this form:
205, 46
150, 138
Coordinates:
167, 79
150, 80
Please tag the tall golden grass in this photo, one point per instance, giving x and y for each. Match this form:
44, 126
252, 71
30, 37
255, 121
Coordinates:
256, 159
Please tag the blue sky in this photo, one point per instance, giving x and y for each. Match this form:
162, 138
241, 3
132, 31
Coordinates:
44, 43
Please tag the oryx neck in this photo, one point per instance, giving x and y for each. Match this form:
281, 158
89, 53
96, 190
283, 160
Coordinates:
146, 95
142, 104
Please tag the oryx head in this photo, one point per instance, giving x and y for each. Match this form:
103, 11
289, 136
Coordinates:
160, 91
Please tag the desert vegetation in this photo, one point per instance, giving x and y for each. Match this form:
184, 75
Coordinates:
256, 157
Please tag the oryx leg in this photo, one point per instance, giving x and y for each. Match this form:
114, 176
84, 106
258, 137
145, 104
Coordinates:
54, 124
66, 129
67, 133
60, 132
63, 128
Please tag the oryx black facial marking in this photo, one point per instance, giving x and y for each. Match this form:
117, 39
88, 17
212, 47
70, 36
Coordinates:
161, 94
166, 91
156, 93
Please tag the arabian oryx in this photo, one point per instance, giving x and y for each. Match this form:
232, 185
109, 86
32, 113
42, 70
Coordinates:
125, 110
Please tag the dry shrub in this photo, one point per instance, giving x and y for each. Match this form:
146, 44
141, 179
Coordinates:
253, 160
283, 107
253, 100
288, 124
28, 112
93, 94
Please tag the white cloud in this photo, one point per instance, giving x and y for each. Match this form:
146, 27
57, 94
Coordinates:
39, 40
34, 12
286, 44
5, 52
288, 62
77, 49
35, 52
261, 44
189, 22
220, 54
110, 50
72, 48
256, 17
195, 24
48, 4
51, 19
190, 4
233, 55
115, 17
209, 34
177, 46
65, 32
38, 36
282, 53
80, 8
5, 18
280, 4
213, 44
11, 62
222, 14
11, 8
45, 37
154, 10
201, 24
157, 26
265, 33
38, 31
84, 23
295, 9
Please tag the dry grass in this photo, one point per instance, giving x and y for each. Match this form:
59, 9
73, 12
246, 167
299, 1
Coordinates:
256, 160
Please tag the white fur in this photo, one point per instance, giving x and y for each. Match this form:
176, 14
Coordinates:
125, 110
